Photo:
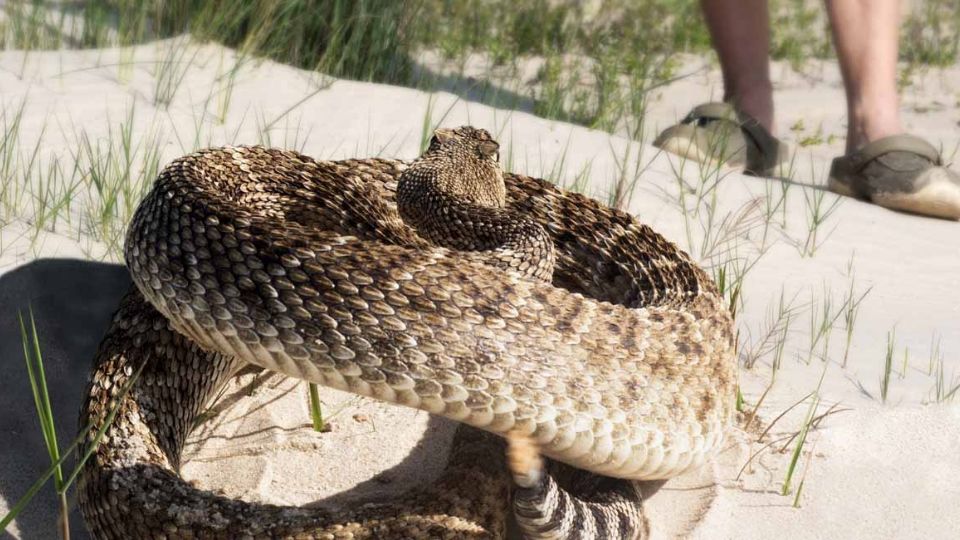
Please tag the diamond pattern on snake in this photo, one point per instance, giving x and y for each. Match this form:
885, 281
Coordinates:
578, 348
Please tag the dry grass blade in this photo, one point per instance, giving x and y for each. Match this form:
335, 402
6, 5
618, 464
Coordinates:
788, 438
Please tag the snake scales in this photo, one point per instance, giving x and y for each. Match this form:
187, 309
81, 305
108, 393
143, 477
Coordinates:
493, 299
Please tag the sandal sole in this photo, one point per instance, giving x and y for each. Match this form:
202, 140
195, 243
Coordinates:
694, 143
940, 199
935, 200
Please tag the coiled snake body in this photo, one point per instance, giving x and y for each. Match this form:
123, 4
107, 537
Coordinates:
496, 300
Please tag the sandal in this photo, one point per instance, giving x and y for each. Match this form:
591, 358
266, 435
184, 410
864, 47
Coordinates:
902, 172
718, 133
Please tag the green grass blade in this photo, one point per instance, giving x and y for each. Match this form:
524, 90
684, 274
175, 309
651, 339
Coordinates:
55, 467
315, 413
796, 499
22, 503
38, 387
798, 449
52, 445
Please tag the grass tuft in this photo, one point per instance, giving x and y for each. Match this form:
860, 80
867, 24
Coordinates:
798, 447
41, 399
36, 375
170, 71
817, 214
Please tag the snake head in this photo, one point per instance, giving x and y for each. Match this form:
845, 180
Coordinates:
467, 137
464, 162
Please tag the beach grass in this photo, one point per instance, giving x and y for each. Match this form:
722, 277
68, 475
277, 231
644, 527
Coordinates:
36, 374
316, 412
798, 447
596, 68
888, 365
87, 439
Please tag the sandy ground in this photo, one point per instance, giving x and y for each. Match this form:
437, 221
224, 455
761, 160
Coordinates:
873, 470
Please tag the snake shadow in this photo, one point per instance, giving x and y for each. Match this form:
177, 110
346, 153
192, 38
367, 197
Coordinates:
72, 303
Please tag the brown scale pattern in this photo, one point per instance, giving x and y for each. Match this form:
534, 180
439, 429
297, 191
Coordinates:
130, 488
621, 366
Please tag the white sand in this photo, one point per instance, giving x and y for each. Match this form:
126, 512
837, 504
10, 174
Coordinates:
877, 470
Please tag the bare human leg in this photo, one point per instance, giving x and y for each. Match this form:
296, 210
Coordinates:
866, 34
740, 30
882, 164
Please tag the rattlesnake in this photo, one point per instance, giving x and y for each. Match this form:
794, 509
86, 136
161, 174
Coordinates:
494, 299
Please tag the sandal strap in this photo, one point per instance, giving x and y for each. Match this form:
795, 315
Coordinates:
766, 147
895, 143
766, 143
712, 111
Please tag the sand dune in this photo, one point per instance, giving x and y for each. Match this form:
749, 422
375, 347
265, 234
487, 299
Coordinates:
876, 470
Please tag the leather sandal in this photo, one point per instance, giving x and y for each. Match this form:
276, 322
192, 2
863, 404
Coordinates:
901, 172
718, 133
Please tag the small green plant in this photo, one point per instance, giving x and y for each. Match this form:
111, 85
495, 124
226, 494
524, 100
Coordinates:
36, 374
803, 478
226, 82
756, 408
581, 181
817, 214
11, 119
316, 414
731, 291
798, 447
944, 389
906, 363
799, 32
781, 444
888, 365
772, 337
713, 235
811, 421
629, 168
851, 310
936, 355
931, 34
822, 319
813, 139
116, 172
171, 69
772, 203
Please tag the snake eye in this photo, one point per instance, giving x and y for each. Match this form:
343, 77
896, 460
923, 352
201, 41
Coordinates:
490, 149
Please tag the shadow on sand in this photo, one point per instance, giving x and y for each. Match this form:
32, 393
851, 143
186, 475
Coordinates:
73, 302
